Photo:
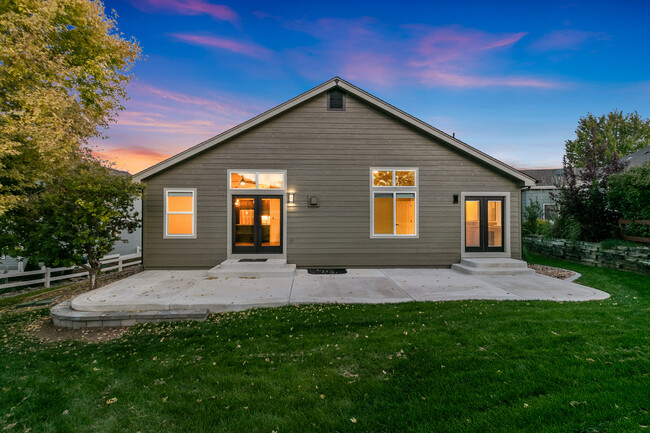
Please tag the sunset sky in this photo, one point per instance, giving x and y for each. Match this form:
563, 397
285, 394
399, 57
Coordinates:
511, 80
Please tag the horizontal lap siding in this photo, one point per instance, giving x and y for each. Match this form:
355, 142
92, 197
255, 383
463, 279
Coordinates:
327, 154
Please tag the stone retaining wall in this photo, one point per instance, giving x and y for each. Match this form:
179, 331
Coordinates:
635, 259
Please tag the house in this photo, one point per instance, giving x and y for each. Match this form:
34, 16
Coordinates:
548, 180
334, 177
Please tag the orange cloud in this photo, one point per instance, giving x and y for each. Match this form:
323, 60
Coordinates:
132, 159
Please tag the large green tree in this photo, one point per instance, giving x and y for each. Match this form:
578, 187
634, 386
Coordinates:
74, 219
623, 133
64, 68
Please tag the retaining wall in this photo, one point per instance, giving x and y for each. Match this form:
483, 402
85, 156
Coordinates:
635, 259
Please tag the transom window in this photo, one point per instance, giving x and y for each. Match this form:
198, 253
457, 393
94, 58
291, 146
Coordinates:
393, 202
180, 213
250, 179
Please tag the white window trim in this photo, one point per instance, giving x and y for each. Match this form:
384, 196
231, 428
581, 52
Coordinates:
257, 180
166, 234
394, 190
506, 238
544, 209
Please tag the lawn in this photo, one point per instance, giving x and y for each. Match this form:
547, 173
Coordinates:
470, 366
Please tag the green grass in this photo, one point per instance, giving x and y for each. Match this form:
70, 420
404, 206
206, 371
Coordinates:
472, 366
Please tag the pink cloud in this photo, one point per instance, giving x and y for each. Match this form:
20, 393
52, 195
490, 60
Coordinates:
566, 39
246, 48
365, 50
188, 7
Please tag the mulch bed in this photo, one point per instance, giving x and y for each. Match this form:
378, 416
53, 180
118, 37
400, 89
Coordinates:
550, 271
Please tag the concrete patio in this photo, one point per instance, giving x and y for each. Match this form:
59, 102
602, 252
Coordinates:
183, 290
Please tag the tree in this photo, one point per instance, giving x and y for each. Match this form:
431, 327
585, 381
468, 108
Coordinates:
74, 219
582, 199
629, 194
623, 134
63, 71
532, 214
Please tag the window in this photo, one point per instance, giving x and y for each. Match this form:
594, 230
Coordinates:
336, 100
393, 202
180, 213
250, 179
550, 210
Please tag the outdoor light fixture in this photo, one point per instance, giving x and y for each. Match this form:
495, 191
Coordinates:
291, 197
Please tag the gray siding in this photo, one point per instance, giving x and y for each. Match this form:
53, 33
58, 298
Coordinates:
541, 195
327, 153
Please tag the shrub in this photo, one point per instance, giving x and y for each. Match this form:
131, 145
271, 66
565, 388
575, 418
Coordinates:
532, 215
629, 193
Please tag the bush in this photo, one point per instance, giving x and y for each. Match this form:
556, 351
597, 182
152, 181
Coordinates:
532, 215
629, 194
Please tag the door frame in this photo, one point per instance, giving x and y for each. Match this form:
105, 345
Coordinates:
251, 192
506, 225
256, 249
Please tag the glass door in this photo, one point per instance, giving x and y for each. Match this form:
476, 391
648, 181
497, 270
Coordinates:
257, 225
484, 224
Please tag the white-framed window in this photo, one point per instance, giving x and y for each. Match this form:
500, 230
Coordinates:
257, 179
393, 202
180, 213
550, 210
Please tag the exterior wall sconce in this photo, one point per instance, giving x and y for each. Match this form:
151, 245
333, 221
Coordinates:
291, 198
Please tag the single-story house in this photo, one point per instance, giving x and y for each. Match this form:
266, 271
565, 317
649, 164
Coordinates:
334, 177
548, 180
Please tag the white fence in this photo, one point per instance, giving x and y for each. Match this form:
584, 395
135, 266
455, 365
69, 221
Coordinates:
46, 276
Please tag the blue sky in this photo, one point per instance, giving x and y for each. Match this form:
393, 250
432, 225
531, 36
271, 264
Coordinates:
509, 78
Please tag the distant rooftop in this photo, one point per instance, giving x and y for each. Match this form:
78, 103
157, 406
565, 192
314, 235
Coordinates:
637, 158
546, 176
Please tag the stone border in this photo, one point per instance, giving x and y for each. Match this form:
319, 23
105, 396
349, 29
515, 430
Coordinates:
64, 316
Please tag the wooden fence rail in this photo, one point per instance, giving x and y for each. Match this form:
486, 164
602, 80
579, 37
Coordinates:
623, 223
46, 276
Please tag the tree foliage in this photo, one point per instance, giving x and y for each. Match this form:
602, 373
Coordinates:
74, 219
582, 199
623, 133
532, 214
629, 193
63, 71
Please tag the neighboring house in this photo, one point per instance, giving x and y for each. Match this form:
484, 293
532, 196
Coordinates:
638, 158
334, 177
547, 181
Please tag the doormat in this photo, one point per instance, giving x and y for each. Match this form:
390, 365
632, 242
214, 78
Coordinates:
253, 260
327, 271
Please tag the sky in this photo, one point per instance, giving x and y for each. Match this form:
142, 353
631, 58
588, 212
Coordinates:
511, 79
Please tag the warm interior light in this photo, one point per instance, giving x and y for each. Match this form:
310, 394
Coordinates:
242, 182
237, 203
266, 220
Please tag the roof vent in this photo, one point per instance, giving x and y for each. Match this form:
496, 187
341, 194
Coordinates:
336, 100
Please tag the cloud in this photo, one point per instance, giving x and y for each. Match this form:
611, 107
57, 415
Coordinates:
246, 48
566, 40
188, 7
364, 49
160, 122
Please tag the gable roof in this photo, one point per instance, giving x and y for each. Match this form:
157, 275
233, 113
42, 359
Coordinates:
356, 92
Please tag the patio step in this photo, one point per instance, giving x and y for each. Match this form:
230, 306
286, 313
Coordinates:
271, 268
65, 316
492, 266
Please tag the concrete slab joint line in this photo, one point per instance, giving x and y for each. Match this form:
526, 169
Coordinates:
153, 296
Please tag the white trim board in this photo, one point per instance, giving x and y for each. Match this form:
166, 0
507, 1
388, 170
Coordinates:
506, 253
358, 93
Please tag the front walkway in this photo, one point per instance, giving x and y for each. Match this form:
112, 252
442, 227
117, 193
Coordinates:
192, 290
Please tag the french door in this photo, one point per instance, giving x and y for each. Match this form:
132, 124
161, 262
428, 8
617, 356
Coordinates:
484, 224
256, 224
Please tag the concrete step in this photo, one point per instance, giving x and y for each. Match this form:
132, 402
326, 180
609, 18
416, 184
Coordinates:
65, 316
494, 263
237, 269
492, 266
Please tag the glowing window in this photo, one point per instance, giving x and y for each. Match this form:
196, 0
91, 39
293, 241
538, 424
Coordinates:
394, 202
241, 179
180, 212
